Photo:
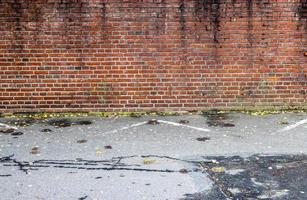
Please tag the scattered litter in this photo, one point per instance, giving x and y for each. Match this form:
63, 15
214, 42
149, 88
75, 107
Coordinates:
184, 121
216, 118
108, 147
153, 122
218, 169
46, 130
203, 139
228, 125
283, 122
81, 141
63, 122
83, 198
21, 121
35, 150
7, 130
83, 122
17, 133
60, 123
135, 115
148, 161
99, 152
4, 128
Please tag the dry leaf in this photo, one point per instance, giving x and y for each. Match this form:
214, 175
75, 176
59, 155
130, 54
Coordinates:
148, 161
218, 169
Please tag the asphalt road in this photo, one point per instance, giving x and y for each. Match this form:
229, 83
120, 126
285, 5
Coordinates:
210, 156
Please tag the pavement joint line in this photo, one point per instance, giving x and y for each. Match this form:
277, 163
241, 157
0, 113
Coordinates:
290, 127
183, 125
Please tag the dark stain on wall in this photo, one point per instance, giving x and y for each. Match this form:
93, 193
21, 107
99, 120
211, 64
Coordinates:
302, 13
182, 21
103, 18
182, 15
17, 9
209, 11
73, 14
250, 15
160, 17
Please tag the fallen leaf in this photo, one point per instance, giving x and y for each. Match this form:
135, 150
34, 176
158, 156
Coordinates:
35, 150
218, 169
148, 161
99, 152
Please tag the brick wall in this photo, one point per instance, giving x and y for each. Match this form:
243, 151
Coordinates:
128, 55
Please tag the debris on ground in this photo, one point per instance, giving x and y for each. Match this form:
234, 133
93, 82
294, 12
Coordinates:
148, 161
46, 130
7, 130
20, 121
98, 152
153, 122
35, 150
65, 122
17, 133
283, 122
82, 141
203, 139
60, 122
184, 121
218, 169
217, 119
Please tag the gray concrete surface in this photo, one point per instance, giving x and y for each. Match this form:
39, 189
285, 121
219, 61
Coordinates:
127, 158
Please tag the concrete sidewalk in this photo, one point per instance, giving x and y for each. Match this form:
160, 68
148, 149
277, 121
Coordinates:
211, 156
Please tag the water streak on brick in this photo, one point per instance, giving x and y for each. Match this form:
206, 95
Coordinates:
108, 55
161, 17
250, 13
209, 11
17, 15
302, 12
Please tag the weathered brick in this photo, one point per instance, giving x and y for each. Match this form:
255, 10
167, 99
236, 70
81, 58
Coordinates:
100, 55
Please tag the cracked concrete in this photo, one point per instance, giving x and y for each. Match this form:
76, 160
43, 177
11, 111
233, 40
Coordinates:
127, 158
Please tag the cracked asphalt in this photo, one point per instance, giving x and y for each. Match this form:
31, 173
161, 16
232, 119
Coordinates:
209, 156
